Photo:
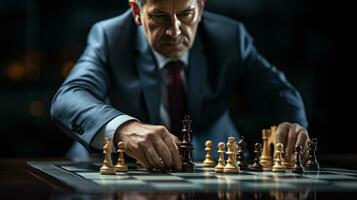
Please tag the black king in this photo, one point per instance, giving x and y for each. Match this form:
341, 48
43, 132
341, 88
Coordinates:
186, 146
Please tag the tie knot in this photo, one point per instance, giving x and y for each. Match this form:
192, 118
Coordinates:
174, 67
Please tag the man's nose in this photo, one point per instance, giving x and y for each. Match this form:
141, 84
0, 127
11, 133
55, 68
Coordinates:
174, 27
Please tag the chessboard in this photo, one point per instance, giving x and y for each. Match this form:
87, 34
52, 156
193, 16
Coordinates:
85, 177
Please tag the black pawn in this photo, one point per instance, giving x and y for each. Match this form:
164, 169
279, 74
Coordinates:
257, 151
186, 146
298, 168
241, 162
311, 163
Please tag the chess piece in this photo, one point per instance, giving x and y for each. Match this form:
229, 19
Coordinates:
288, 162
278, 165
186, 146
265, 159
221, 195
257, 151
107, 167
311, 163
208, 162
121, 166
242, 145
231, 166
221, 162
232, 195
298, 168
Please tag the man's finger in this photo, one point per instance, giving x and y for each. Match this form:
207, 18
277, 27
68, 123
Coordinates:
292, 137
305, 152
163, 152
177, 141
302, 137
302, 140
138, 155
282, 133
170, 142
152, 156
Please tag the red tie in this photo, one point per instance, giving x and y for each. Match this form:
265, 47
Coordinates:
176, 96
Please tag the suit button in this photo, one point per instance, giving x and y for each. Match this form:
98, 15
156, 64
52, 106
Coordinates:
81, 130
74, 126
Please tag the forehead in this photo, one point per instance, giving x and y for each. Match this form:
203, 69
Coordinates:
169, 4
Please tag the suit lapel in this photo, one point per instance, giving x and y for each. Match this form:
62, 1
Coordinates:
196, 79
150, 78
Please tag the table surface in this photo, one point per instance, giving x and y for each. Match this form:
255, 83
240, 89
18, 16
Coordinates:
19, 181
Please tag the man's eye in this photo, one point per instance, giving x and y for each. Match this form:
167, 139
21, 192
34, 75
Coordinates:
157, 17
186, 14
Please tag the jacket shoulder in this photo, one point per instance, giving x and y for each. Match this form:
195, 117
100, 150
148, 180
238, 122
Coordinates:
210, 17
221, 33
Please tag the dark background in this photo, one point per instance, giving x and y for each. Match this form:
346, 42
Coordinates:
41, 40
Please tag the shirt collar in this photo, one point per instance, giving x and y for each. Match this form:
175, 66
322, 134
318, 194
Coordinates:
162, 61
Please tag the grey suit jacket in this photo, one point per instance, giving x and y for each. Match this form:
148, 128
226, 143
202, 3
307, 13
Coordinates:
117, 74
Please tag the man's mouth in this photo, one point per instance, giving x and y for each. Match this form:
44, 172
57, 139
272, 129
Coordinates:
171, 42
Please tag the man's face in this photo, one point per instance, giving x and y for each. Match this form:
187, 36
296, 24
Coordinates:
170, 25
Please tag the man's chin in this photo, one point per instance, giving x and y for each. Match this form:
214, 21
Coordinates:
174, 54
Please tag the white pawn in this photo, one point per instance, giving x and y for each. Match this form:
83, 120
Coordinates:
221, 162
107, 167
208, 162
121, 166
231, 166
278, 165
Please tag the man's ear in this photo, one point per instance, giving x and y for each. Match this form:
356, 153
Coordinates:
202, 7
135, 11
203, 3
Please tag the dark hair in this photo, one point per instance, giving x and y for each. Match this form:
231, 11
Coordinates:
141, 2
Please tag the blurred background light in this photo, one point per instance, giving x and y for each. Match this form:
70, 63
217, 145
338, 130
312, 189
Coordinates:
36, 108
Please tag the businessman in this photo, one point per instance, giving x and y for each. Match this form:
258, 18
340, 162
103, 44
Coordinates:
144, 69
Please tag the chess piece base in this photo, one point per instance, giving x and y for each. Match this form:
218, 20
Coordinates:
298, 170
121, 168
312, 166
208, 163
219, 168
243, 166
278, 169
266, 162
107, 170
256, 167
268, 169
187, 167
288, 165
225, 170
229, 168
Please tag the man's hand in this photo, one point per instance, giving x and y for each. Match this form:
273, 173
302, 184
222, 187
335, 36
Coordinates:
290, 135
153, 146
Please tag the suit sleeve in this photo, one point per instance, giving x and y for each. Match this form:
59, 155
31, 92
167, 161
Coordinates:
267, 86
79, 108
